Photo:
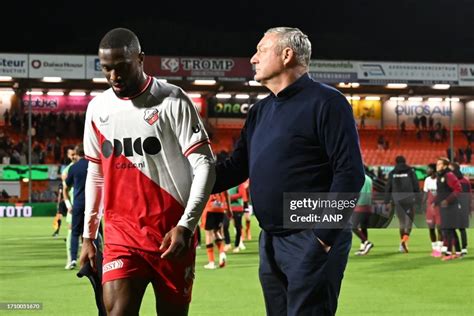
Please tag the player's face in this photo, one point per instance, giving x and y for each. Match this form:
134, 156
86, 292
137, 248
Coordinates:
267, 60
440, 166
123, 70
71, 154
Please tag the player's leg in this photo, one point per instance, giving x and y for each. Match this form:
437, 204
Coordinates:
364, 224
238, 244
225, 230
248, 232
77, 229
173, 283
210, 238
68, 238
463, 241
209, 247
124, 296
167, 308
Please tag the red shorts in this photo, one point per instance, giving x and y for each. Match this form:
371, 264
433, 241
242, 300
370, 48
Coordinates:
174, 278
433, 217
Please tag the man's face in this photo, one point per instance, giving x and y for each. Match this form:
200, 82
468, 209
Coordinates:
122, 69
267, 60
71, 154
429, 172
440, 166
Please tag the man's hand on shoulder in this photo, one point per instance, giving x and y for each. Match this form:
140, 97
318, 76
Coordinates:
176, 242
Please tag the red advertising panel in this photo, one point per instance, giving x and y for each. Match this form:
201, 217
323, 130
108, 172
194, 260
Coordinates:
199, 67
46, 103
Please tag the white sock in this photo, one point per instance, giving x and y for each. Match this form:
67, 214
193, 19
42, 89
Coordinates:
434, 245
444, 249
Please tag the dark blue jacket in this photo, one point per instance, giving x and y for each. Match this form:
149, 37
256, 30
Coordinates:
76, 178
302, 140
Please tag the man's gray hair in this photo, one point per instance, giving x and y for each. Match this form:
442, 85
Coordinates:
293, 38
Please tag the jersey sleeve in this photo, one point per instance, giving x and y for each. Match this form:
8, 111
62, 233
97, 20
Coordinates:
188, 126
91, 137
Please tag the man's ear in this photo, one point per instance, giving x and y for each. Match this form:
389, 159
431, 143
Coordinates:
287, 56
141, 57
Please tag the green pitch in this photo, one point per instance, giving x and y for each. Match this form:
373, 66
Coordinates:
383, 283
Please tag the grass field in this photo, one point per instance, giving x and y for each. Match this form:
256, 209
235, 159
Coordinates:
382, 283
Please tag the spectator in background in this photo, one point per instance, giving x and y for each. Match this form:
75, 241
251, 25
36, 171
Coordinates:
57, 150
444, 134
403, 127
423, 121
431, 123
468, 152
448, 154
416, 121
380, 142
460, 155
6, 117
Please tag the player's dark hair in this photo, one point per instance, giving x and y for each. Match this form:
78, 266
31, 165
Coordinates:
432, 166
80, 150
400, 159
119, 38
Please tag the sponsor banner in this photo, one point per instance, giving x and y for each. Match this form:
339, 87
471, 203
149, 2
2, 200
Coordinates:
14, 65
367, 112
333, 71
93, 69
27, 209
466, 74
64, 66
38, 172
421, 73
408, 110
339, 66
164, 67
227, 108
333, 77
46, 103
470, 115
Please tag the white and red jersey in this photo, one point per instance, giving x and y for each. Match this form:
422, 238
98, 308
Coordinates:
142, 143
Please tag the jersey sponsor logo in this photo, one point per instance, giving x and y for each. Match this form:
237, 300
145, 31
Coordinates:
129, 147
151, 116
196, 128
113, 265
400, 175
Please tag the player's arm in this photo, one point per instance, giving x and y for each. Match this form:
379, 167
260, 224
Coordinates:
92, 215
67, 185
195, 145
177, 240
93, 188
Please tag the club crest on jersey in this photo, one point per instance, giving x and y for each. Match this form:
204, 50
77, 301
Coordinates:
151, 116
